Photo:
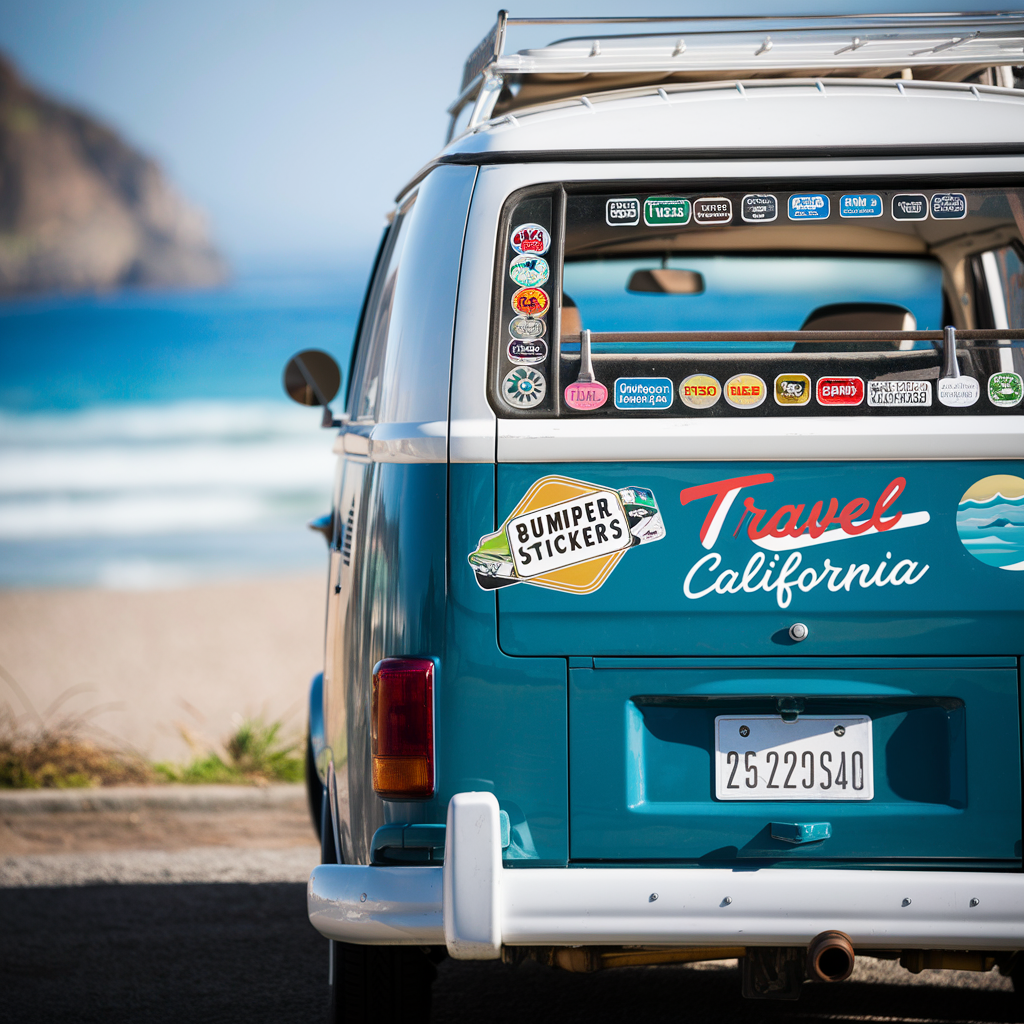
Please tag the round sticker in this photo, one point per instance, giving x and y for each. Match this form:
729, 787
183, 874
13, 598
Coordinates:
792, 389
586, 395
745, 391
527, 350
527, 327
958, 392
990, 521
523, 387
528, 271
700, 391
530, 301
1006, 389
530, 240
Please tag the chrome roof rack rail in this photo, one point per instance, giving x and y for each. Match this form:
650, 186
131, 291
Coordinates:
949, 47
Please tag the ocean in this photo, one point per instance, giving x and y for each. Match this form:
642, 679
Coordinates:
146, 442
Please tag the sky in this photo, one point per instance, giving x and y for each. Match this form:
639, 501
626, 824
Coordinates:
291, 123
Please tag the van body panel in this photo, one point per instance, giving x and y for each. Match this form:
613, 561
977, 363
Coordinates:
501, 721
946, 763
708, 589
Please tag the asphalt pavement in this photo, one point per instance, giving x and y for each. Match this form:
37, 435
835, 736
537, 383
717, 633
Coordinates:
230, 952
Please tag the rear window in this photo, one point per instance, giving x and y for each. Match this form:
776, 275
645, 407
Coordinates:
790, 303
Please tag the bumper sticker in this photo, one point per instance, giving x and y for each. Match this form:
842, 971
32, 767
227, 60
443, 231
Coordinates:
530, 301
700, 391
840, 391
899, 393
622, 212
567, 535
745, 391
527, 351
990, 521
527, 327
643, 393
586, 395
949, 206
910, 207
759, 209
1006, 389
717, 210
530, 239
792, 389
523, 388
813, 206
865, 204
958, 392
666, 211
529, 271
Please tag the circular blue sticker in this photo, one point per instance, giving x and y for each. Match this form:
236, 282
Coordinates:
990, 521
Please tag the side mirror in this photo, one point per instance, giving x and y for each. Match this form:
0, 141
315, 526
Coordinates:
666, 282
312, 377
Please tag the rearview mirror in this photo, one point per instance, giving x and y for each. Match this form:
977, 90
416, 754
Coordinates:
312, 377
666, 282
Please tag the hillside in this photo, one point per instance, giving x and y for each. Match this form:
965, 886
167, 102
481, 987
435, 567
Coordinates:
80, 210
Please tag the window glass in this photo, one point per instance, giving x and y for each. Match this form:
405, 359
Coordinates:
364, 398
747, 303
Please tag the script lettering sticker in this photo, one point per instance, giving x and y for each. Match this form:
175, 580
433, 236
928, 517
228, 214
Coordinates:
567, 535
958, 392
530, 302
790, 535
840, 390
895, 394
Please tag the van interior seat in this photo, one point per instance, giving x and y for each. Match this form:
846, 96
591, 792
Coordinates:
858, 316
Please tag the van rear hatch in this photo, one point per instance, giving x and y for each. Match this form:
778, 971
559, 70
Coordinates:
700, 730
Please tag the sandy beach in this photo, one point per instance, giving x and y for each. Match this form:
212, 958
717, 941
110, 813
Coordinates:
157, 665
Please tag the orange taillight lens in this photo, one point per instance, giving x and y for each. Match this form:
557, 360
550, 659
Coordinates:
402, 728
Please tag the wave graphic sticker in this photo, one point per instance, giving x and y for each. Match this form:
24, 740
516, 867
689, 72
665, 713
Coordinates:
990, 521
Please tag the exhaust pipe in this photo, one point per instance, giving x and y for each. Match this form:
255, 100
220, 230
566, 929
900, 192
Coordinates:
830, 957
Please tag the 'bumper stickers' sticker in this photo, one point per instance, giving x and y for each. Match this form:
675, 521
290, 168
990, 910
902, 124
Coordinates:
700, 391
531, 302
745, 391
527, 327
527, 351
530, 239
567, 535
840, 391
949, 206
716, 210
910, 207
529, 271
1006, 389
523, 387
759, 209
894, 394
643, 393
861, 204
958, 392
622, 212
792, 389
666, 211
810, 206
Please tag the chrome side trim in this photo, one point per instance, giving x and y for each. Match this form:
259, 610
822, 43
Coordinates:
396, 442
826, 438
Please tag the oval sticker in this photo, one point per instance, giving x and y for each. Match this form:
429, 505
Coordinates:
586, 395
531, 301
530, 239
529, 271
745, 391
527, 350
523, 387
527, 327
700, 391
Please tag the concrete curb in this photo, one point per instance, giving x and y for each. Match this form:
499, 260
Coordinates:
133, 798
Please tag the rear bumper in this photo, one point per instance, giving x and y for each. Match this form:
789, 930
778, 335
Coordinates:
473, 906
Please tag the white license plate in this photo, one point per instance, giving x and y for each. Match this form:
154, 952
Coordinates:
761, 757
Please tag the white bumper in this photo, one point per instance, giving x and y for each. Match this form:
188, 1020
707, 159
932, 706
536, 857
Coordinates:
473, 906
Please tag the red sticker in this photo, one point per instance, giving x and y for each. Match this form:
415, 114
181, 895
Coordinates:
530, 301
840, 391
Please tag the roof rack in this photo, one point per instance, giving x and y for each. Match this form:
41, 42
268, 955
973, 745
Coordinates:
947, 47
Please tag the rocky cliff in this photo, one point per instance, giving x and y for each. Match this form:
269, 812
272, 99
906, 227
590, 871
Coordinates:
80, 210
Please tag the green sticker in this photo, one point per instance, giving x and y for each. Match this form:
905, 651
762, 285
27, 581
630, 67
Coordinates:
666, 211
1006, 389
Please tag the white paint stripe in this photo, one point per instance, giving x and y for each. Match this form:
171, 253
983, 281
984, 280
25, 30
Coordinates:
716, 524
806, 540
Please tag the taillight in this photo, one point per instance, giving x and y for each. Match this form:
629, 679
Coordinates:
402, 728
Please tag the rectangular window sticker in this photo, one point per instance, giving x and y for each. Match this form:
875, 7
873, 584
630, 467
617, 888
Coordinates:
666, 211
812, 206
949, 206
567, 535
622, 212
862, 204
643, 393
716, 210
759, 209
895, 394
911, 206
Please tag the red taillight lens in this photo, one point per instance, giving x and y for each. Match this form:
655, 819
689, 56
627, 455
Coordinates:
402, 728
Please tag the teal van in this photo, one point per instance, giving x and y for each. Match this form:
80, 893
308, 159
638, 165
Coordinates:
676, 577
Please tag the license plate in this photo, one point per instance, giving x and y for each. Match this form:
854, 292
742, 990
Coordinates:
762, 757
